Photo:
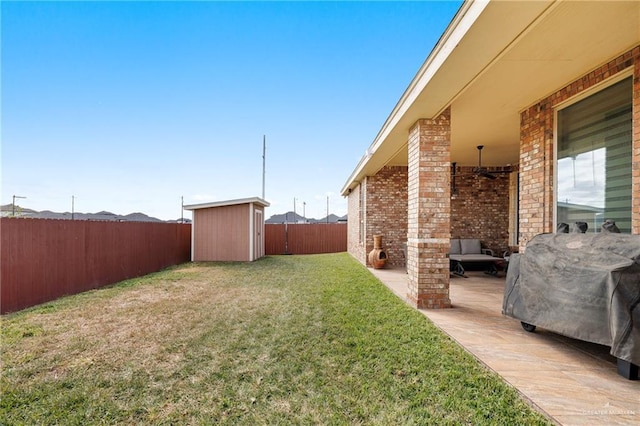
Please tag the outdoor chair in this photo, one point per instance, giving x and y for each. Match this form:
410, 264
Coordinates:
467, 251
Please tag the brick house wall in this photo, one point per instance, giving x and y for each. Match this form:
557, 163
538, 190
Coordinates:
537, 148
387, 211
480, 208
354, 226
514, 180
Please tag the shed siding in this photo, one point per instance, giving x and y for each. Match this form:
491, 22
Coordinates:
222, 234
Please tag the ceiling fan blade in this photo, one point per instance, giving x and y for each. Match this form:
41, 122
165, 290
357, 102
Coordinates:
487, 175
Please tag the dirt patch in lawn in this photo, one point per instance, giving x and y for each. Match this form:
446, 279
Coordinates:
144, 325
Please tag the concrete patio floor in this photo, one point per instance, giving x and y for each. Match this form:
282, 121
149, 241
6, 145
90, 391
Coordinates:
570, 381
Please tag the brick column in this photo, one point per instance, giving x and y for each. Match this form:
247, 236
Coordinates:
429, 212
536, 171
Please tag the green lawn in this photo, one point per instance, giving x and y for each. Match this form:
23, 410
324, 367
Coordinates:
284, 340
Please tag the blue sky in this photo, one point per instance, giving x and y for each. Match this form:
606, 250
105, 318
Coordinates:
129, 106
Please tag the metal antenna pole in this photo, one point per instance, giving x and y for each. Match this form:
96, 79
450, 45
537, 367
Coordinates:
327, 209
264, 161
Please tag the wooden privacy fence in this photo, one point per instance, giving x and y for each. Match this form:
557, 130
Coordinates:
43, 259
308, 238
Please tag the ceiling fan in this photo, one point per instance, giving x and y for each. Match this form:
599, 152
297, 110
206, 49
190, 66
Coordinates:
479, 170
482, 171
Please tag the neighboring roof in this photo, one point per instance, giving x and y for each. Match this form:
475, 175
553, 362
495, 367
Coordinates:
495, 59
292, 217
252, 200
583, 207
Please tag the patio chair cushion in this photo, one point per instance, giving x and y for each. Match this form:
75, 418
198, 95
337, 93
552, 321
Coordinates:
470, 246
455, 246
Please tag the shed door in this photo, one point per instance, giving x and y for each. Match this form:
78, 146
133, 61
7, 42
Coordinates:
258, 248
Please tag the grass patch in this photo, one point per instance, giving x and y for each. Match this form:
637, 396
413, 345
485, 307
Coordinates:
284, 340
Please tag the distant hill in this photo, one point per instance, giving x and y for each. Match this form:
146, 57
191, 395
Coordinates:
8, 210
290, 217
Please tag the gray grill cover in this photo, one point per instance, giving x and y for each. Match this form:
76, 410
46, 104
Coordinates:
585, 286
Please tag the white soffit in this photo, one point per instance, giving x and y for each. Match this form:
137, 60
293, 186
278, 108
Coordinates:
568, 41
505, 57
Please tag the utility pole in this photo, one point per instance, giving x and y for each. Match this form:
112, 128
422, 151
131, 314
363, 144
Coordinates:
13, 205
73, 202
182, 209
304, 211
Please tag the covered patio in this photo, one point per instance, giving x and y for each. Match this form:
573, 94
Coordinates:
572, 382
488, 141
483, 145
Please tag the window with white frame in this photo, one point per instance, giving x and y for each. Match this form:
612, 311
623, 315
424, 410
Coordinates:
594, 159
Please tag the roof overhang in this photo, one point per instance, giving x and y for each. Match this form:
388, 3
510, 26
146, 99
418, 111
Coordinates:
252, 200
495, 59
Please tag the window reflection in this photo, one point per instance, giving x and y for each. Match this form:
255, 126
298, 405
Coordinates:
594, 159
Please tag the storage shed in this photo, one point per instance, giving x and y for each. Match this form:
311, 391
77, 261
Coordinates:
230, 230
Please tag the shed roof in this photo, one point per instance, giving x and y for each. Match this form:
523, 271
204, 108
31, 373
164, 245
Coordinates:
252, 200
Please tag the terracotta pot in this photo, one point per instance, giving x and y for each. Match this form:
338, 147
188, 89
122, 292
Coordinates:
377, 256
